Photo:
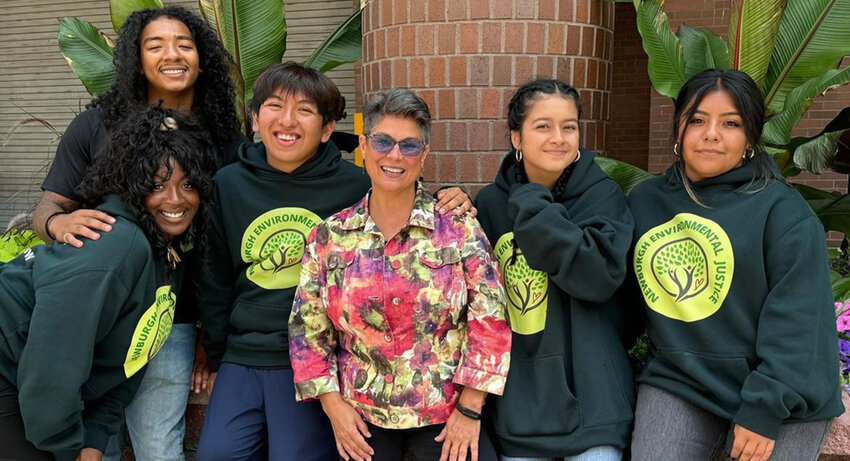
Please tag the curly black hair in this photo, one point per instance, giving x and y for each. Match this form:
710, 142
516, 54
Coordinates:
142, 144
518, 109
213, 104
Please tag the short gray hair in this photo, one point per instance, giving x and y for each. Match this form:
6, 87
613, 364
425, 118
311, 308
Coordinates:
400, 103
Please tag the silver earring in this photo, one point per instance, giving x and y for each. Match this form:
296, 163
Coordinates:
578, 156
749, 153
518, 155
676, 149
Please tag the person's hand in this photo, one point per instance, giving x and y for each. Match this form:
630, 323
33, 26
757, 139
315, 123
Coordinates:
90, 454
200, 369
750, 446
211, 383
459, 435
349, 428
67, 227
454, 199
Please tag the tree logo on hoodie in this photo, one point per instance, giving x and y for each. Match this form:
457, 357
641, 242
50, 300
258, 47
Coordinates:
527, 289
684, 267
273, 245
151, 331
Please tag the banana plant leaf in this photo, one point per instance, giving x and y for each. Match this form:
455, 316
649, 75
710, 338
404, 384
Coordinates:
813, 37
88, 52
777, 131
666, 64
832, 208
342, 46
818, 155
752, 32
626, 175
840, 287
120, 9
254, 32
702, 49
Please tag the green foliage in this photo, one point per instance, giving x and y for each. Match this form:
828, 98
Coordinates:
666, 63
340, 47
752, 32
627, 176
14, 241
120, 9
89, 53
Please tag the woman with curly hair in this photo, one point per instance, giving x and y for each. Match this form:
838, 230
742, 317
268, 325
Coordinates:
80, 325
168, 56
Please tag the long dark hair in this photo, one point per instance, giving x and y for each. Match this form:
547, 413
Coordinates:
213, 91
144, 142
748, 100
518, 108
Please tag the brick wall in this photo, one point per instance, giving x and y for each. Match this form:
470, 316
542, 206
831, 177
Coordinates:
466, 58
628, 136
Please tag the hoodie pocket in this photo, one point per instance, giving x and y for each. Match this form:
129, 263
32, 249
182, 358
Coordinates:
537, 400
721, 377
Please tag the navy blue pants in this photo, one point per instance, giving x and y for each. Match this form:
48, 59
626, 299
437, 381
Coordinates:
253, 415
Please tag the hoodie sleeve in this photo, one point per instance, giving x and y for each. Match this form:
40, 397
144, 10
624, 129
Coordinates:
57, 360
217, 297
583, 249
799, 295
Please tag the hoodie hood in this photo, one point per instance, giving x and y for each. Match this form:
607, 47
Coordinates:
585, 173
114, 206
325, 162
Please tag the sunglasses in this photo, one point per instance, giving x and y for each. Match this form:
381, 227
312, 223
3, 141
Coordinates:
384, 145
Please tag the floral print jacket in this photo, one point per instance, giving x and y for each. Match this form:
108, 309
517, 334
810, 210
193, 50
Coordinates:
399, 327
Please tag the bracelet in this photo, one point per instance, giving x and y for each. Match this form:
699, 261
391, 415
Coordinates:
471, 414
47, 224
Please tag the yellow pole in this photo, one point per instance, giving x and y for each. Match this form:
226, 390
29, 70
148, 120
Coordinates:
358, 129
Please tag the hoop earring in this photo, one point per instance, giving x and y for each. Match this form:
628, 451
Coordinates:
518, 155
676, 150
578, 156
749, 153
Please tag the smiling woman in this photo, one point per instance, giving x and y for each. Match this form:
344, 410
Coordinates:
439, 337
118, 292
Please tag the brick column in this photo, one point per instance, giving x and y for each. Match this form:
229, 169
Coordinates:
466, 59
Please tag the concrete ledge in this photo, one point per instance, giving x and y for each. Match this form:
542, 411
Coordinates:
837, 445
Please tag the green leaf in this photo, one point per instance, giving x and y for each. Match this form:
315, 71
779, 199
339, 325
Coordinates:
120, 9
832, 208
254, 32
818, 154
702, 49
212, 11
626, 175
752, 32
342, 46
88, 52
841, 288
813, 37
777, 131
666, 64
784, 160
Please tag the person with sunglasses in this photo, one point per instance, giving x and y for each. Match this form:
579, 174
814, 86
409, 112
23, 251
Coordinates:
399, 318
268, 203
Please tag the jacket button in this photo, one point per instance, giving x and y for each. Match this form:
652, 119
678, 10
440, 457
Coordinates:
396, 264
396, 301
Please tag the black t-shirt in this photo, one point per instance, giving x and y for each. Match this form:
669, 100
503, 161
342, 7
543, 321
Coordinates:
85, 138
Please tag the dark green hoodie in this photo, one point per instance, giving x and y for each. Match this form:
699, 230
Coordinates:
263, 218
738, 298
78, 325
570, 384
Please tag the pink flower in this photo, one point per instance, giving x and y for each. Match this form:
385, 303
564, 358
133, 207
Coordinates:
842, 319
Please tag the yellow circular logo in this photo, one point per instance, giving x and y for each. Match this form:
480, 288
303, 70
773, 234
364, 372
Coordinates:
527, 289
151, 331
684, 267
274, 243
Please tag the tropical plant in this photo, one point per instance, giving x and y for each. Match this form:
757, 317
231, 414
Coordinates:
252, 31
